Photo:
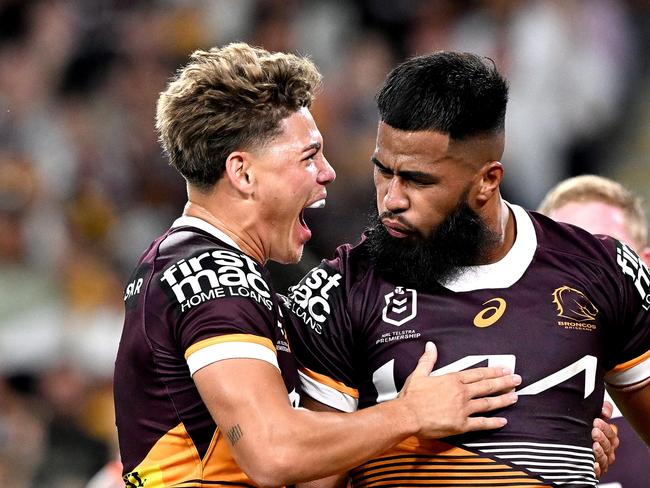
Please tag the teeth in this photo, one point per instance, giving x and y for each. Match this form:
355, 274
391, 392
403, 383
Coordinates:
318, 204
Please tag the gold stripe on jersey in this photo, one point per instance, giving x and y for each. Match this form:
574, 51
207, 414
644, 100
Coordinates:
172, 460
432, 463
219, 465
631, 363
250, 338
175, 461
332, 383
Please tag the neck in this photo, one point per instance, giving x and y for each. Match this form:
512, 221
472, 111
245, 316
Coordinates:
236, 222
502, 223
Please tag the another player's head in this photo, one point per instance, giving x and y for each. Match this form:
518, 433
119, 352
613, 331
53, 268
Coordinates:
437, 169
236, 120
600, 206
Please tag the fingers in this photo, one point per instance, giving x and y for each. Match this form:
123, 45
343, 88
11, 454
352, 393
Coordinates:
598, 435
607, 436
477, 374
597, 470
426, 361
605, 443
601, 464
487, 404
484, 423
493, 385
606, 412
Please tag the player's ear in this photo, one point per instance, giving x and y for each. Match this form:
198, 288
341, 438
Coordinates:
239, 171
489, 179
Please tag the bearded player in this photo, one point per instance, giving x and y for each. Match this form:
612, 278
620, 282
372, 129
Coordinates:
448, 260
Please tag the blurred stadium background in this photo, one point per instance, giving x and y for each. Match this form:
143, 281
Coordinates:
84, 188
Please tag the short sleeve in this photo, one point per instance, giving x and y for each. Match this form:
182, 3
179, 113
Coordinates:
320, 333
220, 306
633, 333
227, 328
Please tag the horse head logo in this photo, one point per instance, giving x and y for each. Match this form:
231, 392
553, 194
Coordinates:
574, 305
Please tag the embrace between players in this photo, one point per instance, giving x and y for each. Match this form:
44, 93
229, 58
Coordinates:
212, 364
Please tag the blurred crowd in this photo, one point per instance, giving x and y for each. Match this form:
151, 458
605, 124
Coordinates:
84, 187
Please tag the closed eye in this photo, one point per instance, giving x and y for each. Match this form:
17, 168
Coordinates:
380, 167
419, 178
312, 150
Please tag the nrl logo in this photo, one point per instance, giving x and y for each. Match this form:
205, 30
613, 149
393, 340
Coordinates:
574, 305
401, 306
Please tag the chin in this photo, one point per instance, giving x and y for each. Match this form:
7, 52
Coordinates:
295, 256
292, 256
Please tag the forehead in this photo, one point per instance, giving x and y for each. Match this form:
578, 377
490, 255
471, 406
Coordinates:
298, 131
396, 147
595, 217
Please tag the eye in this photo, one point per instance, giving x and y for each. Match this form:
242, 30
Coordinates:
385, 172
311, 158
422, 183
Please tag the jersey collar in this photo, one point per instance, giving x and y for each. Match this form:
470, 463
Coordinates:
186, 221
509, 269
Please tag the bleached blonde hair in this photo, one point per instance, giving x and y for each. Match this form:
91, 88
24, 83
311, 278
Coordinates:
589, 188
227, 99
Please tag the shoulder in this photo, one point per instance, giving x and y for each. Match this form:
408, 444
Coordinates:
327, 288
352, 261
341, 274
570, 241
195, 267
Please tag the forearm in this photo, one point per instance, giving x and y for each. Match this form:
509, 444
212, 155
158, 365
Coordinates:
336, 481
344, 440
277, 445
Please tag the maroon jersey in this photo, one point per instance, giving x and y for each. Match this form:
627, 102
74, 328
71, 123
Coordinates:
564, 309
194, 299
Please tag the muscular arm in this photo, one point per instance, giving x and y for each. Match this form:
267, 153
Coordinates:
335, 481
635, 406
276, 444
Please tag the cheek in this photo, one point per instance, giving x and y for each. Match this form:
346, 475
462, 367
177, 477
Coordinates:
426, 215
380, 189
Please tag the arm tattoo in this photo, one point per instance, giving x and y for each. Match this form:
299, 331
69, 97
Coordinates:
235, 434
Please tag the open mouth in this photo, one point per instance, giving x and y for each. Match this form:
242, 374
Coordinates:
317, 204
301, 219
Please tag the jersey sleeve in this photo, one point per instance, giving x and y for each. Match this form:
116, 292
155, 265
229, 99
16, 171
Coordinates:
227, 328
220, 307
632, 360
320, 333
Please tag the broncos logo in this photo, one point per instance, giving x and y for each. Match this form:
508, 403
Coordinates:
574, 305
133, 480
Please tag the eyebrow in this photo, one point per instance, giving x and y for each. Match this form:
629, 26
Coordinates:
313, 146
405, 174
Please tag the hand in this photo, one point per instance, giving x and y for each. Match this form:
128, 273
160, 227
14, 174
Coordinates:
605, 441
444, 404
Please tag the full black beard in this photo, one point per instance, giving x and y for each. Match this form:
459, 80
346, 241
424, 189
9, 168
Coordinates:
462, 239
